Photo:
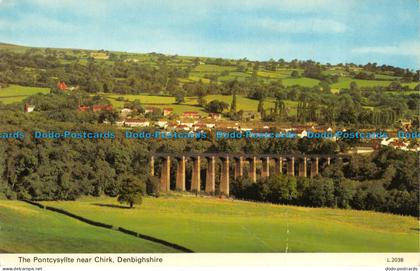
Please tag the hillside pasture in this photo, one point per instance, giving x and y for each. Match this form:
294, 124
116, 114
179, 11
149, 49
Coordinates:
206, 224
28, 229
16, 93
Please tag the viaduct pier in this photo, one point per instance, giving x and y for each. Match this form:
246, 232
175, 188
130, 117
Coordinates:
217, 168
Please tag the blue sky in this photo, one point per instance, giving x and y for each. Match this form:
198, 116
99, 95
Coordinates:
359, 31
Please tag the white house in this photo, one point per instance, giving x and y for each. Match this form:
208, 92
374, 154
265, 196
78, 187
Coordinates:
162, 123
29, 108
126, 111
136, 123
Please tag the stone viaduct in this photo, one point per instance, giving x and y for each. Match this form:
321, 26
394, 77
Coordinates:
307, 165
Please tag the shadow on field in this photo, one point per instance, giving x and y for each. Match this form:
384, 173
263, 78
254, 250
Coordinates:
415, 229
111, 205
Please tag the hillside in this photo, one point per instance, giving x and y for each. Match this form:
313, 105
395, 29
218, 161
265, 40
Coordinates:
28, 229
219, 225
293, 91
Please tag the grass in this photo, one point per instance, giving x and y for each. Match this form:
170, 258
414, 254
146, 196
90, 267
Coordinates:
16, 93
191, 103
242, 103
144, 99
344, 82
246, 104
28, 229
158, 101
206, 224
209, 68
302, 81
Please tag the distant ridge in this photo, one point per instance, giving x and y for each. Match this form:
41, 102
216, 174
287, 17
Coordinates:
5, 45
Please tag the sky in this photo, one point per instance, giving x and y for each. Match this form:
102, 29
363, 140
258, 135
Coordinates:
327, 31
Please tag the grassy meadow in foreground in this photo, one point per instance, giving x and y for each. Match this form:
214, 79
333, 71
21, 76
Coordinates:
222, 225
28, 229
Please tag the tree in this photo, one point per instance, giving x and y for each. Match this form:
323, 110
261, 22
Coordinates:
111, 116
202, 101
353, 86
294, 74
325, 86
233, 104
217, 106
179, 98
260, 107
131, 191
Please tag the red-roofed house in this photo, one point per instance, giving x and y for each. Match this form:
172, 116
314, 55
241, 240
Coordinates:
167, 111
83, 108
96, 108
62, 86
193, 115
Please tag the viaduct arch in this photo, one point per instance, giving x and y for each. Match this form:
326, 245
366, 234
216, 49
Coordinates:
303, 165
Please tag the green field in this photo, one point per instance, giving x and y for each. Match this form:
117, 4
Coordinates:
158, 101
191, 103
15, 93
28, 229
222, 225
303, 81
344, 82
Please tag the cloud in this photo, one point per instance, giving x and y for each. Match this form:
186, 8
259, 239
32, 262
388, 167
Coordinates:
306, 25
36, 23
402, 49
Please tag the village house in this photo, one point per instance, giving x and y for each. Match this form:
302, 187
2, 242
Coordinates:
162, 124
192, 115
28, 108
126, 111
96, 108
215, 116
62, 86
301, 133
244, 129
151, 110
183, 127
210, 125
167, 111
136, 123
120, 122
171, 126
361, 150
199, 127
187, 122
84, 108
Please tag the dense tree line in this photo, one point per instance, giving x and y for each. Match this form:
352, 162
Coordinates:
382, 183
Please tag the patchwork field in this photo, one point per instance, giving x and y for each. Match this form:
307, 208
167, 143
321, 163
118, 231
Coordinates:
27, 229
221, 225
344, 82
191, 103
15, 93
